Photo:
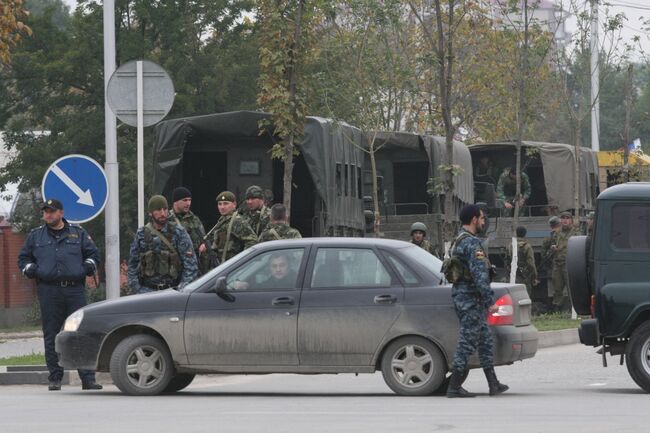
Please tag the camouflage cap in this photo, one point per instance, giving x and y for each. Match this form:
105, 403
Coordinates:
254, 191
157, 202
566, 214
553, 221
226, 196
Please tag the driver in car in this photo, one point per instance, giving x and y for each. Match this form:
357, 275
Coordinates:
279, 275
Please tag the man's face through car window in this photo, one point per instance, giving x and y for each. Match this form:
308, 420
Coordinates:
279, 267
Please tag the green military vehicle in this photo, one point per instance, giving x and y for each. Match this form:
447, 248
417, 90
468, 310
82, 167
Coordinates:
609, 278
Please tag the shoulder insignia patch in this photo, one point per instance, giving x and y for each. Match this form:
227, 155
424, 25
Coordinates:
480, 254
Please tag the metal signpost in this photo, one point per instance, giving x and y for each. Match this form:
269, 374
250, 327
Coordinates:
79, 182
140, 93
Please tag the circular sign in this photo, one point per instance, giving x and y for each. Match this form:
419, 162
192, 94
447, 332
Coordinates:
80, 184
157, 93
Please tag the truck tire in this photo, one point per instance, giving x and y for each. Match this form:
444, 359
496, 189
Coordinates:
576, 262
637, 356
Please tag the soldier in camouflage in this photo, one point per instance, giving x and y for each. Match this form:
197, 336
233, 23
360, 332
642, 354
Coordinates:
162, 255
278, 227
473, 299
181, 213
507, 190
232, 233
418, 233
255, 212
526, 269
559, 274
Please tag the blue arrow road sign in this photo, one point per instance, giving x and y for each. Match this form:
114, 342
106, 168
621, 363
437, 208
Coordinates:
79, 182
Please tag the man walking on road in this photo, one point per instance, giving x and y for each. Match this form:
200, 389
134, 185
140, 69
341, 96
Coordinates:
59, 255
473, 299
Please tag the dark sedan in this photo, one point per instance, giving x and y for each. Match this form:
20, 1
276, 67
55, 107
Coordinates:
315, 305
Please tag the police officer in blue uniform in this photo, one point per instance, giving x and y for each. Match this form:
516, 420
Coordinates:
473, 299
59, 255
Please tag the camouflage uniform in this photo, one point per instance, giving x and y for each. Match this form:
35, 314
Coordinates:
472, 298
194, 227
277, 231
526, 269
425, 245
257, 219
152, 266
559, 274
507, 189
241, 236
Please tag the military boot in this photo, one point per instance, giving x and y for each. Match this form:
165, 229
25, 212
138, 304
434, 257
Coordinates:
495, 386
455, 390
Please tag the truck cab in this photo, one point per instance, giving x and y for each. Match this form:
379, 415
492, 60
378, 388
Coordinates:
610, 281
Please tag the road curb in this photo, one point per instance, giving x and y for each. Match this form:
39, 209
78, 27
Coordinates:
557, 338
20, 335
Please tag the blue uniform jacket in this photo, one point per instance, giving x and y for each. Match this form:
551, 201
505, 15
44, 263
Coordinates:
466, 294
69, 258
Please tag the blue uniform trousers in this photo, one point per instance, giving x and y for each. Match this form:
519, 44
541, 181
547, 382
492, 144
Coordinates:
57, 303
474, 334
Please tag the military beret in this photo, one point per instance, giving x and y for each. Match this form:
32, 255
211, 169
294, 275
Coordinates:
591, 215
52, 204
566, 214
553, 221
180, 193
226, 196
157, 202
254, 191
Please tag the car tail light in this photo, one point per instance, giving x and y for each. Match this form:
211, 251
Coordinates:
592, 306
504, 313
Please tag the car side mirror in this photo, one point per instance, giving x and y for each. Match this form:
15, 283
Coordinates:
221, 290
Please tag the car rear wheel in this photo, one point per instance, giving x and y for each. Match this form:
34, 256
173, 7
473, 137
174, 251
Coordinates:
178, 382
141, 365
413, 366
637, 356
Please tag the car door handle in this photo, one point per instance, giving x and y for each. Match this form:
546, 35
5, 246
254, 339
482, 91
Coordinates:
385, 299
288, 300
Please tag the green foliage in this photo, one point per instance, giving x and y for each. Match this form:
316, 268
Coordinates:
444, 181
33, 359
554, 322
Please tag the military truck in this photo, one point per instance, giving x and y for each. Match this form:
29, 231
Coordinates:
609, 279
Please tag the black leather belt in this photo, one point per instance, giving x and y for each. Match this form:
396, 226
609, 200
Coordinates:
66, 283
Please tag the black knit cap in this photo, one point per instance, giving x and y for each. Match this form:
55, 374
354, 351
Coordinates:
468, 212
180, 193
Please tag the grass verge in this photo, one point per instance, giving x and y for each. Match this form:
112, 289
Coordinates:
554, 322
33, 359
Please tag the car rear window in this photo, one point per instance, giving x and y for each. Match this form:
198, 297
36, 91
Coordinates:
348, 267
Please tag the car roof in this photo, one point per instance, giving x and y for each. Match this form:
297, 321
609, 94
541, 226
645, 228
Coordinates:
333, 241
629, 191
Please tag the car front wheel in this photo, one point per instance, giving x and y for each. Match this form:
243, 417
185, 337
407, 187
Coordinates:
413, 366
637, 356
141, 365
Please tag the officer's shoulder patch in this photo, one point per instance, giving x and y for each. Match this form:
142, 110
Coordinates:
479, 254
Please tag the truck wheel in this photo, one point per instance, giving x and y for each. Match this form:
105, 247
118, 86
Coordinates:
141, 365
637, 356
576, 262
413, 366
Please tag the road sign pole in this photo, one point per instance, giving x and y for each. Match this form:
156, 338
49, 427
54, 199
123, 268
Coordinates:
112, 213
140, 127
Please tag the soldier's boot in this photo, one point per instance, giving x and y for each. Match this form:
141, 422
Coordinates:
495, 386
455, 390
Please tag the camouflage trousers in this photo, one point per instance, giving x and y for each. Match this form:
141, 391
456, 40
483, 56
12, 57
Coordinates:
560, 285
474, 334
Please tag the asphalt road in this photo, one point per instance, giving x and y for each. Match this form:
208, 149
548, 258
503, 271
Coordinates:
563, 389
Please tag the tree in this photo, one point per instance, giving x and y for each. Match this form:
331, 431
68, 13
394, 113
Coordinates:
12, 27
288, 44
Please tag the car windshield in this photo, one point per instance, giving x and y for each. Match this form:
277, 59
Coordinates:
425, 259
204, 278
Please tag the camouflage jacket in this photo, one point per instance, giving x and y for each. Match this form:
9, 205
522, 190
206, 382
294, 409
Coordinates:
277, 231
147, 245
525, 260
561, 242
194, 227
467, 295
507, 188
241, 236
257, 219
425, 245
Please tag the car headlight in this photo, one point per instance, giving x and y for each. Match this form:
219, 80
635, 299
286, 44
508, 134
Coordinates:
73, 321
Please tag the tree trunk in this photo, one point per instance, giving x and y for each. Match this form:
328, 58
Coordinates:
626, 133
288, 175
576, 171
